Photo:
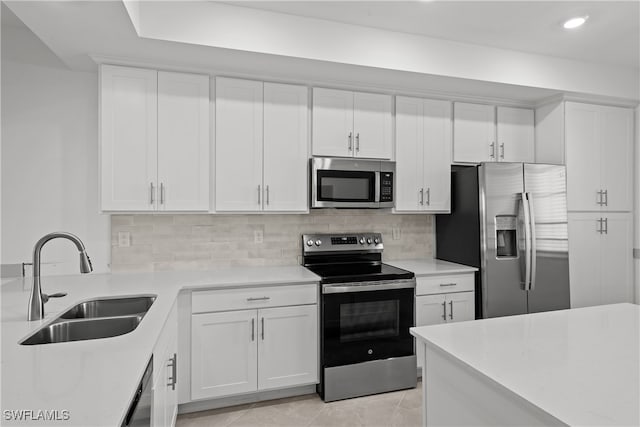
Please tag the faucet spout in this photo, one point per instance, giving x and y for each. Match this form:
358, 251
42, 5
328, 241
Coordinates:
37, 299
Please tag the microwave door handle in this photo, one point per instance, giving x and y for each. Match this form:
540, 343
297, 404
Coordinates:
376, 197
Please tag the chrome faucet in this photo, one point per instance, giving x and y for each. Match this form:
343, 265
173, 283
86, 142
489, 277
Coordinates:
37, 298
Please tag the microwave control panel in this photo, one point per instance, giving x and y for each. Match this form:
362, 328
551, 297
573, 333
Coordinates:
386, 186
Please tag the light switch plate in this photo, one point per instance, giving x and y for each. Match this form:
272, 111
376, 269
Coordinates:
395, 233
124, 239
258, 236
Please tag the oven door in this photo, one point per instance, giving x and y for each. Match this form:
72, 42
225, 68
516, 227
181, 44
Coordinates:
367, 322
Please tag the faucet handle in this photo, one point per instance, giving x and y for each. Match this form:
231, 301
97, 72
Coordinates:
46, 297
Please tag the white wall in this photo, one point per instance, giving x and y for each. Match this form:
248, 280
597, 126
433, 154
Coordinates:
49, 156
636, 240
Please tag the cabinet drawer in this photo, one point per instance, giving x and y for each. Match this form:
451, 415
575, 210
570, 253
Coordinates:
248, 298
444, 284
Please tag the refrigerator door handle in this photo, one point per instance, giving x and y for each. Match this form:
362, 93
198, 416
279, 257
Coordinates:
527, 241
534, 254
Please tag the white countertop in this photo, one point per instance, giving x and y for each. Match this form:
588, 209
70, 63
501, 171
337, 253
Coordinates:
95, 380
429, 267
582, 366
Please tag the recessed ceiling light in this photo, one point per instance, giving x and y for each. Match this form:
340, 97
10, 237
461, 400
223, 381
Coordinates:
575, 22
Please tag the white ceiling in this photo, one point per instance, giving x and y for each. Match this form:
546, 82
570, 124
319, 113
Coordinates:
611, 35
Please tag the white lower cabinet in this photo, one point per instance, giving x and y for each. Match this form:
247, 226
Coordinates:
600, 258
434, 307
243, 351
165, 359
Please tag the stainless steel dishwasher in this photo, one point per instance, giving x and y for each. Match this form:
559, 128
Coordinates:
139, 413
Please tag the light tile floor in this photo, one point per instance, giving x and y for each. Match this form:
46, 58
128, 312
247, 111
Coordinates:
399, 408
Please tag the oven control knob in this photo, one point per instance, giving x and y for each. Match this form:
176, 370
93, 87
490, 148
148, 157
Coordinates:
376, 240
318, 242
370, 351
362, 240
369, 240
309, 242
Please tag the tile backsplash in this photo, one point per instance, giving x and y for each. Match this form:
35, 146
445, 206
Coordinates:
199, 242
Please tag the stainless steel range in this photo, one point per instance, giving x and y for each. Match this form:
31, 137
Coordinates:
367, 308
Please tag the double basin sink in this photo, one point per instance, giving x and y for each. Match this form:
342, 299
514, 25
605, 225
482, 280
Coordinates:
99, 318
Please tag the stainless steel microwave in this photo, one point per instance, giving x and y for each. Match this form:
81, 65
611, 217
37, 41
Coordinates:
351, 183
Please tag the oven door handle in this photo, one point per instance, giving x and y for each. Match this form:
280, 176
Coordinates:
340, 288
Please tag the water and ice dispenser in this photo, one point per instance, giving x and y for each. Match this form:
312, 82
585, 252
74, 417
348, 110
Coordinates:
506, 239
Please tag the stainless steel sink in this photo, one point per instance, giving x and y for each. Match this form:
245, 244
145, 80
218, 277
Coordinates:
86, 329
94, 319
110, 307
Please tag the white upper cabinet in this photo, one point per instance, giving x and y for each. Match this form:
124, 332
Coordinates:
183, 141
485, 133
474, 133
285, 147
261, 146
599, 156
128, 144
423, 155
239, 113
351, 124
154, 146
516, 135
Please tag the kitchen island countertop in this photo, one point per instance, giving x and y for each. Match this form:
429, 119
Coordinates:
567, 367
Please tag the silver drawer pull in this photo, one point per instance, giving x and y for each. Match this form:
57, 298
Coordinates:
448, 284
259, 299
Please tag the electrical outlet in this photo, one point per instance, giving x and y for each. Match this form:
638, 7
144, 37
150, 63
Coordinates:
395, 233
124, 239
258, 236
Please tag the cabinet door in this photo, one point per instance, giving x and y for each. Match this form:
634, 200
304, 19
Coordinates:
515, 131
183, 142
584, 259
617, 258
285, 148
583, 156
238, 150
372, 125
128, 144
223, 354
616, 155
332, 123
437, 156
430, 310
474, 133
409, 154
288, 346
461, 306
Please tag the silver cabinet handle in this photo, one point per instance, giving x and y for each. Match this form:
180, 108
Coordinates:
358, 142
599, 201
267, 190
253, 329
428, 196
350, 146
258, 193
421, 196
162, 193
262, 320
151, 194
451, 310
606, 226
599, 225
173, 364
606, 197
492, 153
258, 299
502, 151
448, 284
444, 310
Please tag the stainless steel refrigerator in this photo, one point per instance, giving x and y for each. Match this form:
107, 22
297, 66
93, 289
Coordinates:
510, 221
